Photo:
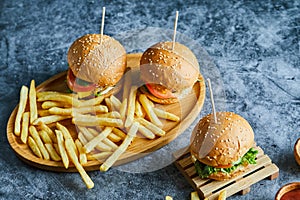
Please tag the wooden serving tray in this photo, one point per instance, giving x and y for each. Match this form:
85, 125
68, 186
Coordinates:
210, 189
188, 109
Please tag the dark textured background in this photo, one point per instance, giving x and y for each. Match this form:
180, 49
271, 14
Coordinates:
254, 44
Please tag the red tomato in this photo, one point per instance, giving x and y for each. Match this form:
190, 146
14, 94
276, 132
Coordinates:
74, 86
159, 91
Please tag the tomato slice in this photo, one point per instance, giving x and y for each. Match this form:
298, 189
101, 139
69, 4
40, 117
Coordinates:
159, 91
74, 86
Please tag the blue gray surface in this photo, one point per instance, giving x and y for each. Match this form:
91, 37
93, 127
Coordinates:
254, 45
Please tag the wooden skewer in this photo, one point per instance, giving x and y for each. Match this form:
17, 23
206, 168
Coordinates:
212, 100
102, 24
175, 27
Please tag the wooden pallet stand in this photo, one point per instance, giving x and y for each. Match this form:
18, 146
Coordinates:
210, 189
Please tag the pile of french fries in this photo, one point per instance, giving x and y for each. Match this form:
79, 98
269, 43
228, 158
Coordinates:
105, 126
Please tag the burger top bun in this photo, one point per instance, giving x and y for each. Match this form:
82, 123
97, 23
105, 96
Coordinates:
176, 70
101, 63
221, 143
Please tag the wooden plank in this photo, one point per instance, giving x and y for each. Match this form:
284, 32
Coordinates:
199, 181
248, 181
191, 171
140, 147
185, 162
209, 188
239, 184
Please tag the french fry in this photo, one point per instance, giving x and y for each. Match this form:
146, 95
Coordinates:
72, 154
49, 131
91, 102
57, 96
98, 156
21, 109
60, 111
88, 133
114, 138
109, 104
82, 139
122, 148
52, 93
34, 148
146, 132
50, 119
149, 110
62, 149
43, 113
194, 196
91, 109
25, 124
123, 109
115, 102
88, 120
168, 198
151, 104
32, 102
66, 134
82, 155
50, 104
45, 137
112, 114
85, 136
110, 143
166, 115
138, 109
105, 141
155, 129
52, 152
93, 143
131, 106
119, 133
35, 135
222, 195
127, 84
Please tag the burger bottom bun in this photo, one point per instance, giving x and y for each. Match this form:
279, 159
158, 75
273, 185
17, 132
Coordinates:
156, 99
221, 176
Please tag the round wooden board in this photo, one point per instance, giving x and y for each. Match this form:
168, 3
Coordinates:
188, 109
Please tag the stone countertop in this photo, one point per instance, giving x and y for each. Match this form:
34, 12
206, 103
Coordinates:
254, 45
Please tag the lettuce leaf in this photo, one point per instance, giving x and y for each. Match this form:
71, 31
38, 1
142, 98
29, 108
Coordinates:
204, 170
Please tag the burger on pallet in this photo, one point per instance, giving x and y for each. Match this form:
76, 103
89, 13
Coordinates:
224, 149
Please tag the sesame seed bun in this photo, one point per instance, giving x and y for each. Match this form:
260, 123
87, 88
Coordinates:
177, 70
222, 143
102, 63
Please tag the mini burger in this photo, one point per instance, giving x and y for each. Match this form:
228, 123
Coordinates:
222, 150
168, 74
96, 64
